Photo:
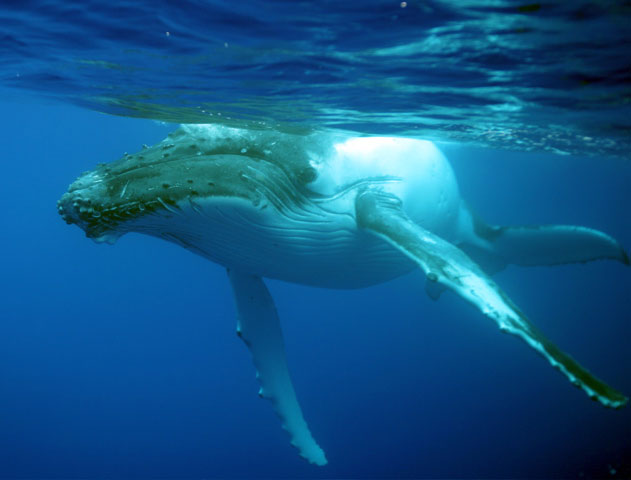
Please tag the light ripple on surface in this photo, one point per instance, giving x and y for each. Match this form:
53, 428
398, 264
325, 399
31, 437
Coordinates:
500, 74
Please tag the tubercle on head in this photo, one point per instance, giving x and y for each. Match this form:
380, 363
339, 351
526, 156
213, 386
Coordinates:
193, 161
100, 217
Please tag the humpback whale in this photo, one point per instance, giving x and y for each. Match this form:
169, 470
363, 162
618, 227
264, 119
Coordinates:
326, 210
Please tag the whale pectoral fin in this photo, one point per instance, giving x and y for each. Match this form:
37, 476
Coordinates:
259, 327
442, 262
532, 245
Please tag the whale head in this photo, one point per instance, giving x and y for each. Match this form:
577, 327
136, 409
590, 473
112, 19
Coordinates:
196, 162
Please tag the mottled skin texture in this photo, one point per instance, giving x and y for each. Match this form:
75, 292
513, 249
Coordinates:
193, 165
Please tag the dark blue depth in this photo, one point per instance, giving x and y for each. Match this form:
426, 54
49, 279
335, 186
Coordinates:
123, 361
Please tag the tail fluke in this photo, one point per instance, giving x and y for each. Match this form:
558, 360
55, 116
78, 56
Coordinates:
544, 244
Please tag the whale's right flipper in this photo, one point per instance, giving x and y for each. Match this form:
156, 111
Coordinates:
259, 327
382, 214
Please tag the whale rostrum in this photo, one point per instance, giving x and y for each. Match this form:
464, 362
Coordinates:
326, 210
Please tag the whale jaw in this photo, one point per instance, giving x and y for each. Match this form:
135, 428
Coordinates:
83, 205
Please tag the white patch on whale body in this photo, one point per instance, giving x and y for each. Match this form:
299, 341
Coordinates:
413, 170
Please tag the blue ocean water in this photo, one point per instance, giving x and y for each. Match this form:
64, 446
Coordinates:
122, 361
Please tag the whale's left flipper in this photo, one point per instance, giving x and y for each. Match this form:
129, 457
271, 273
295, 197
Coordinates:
259, 327
532, 245
382, 214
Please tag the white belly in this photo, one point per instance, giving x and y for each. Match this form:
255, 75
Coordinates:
326, 251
